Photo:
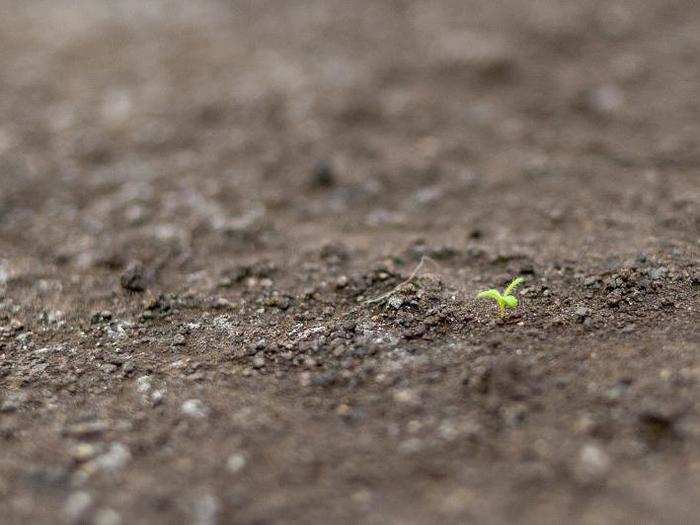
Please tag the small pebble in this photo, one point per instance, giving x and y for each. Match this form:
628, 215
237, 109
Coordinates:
107, 517
194, 408
114, 459
613, 299
144, 384
157, 397
407, 397
395, 301
205, 510
84, 451
134, 278
658, 273
87, 429
77, 505
593, 463
582, 313
236, 462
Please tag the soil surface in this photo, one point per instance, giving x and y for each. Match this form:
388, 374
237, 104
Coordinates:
209, 215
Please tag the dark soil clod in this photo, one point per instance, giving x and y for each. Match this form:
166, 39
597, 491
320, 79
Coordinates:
134, 278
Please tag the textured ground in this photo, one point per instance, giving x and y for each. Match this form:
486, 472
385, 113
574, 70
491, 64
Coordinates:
200, 200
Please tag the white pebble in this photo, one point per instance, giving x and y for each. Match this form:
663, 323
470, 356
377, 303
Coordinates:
77, 504
593, 463
236, 462
107, 517
194, 408
144, 384
114, 459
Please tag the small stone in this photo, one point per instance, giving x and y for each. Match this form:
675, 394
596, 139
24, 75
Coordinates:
222, 303
87, 429
99, 317
5, 272
77, 505
581, 313
305, 379
258, 362
591, 282
109, 368
343, 410
613, 283
128, 368
593, 463
658, 273
9, 405
157, 397
134, 278
341, 282
114, 459
179, 340
205, 510
236, 462
144, 384
601, 101
410, 446
362, 497
116, 108
618, 390
407, 397
13, 401
194, 408
395, 301
84, 452
107, 517
613, 299
695, 278
585, 424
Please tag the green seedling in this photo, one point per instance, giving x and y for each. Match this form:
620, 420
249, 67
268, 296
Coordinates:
507, 300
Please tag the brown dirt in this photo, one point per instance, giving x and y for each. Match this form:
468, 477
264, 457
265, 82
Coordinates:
198, 198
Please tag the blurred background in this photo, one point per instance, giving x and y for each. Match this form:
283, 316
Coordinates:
161, 122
